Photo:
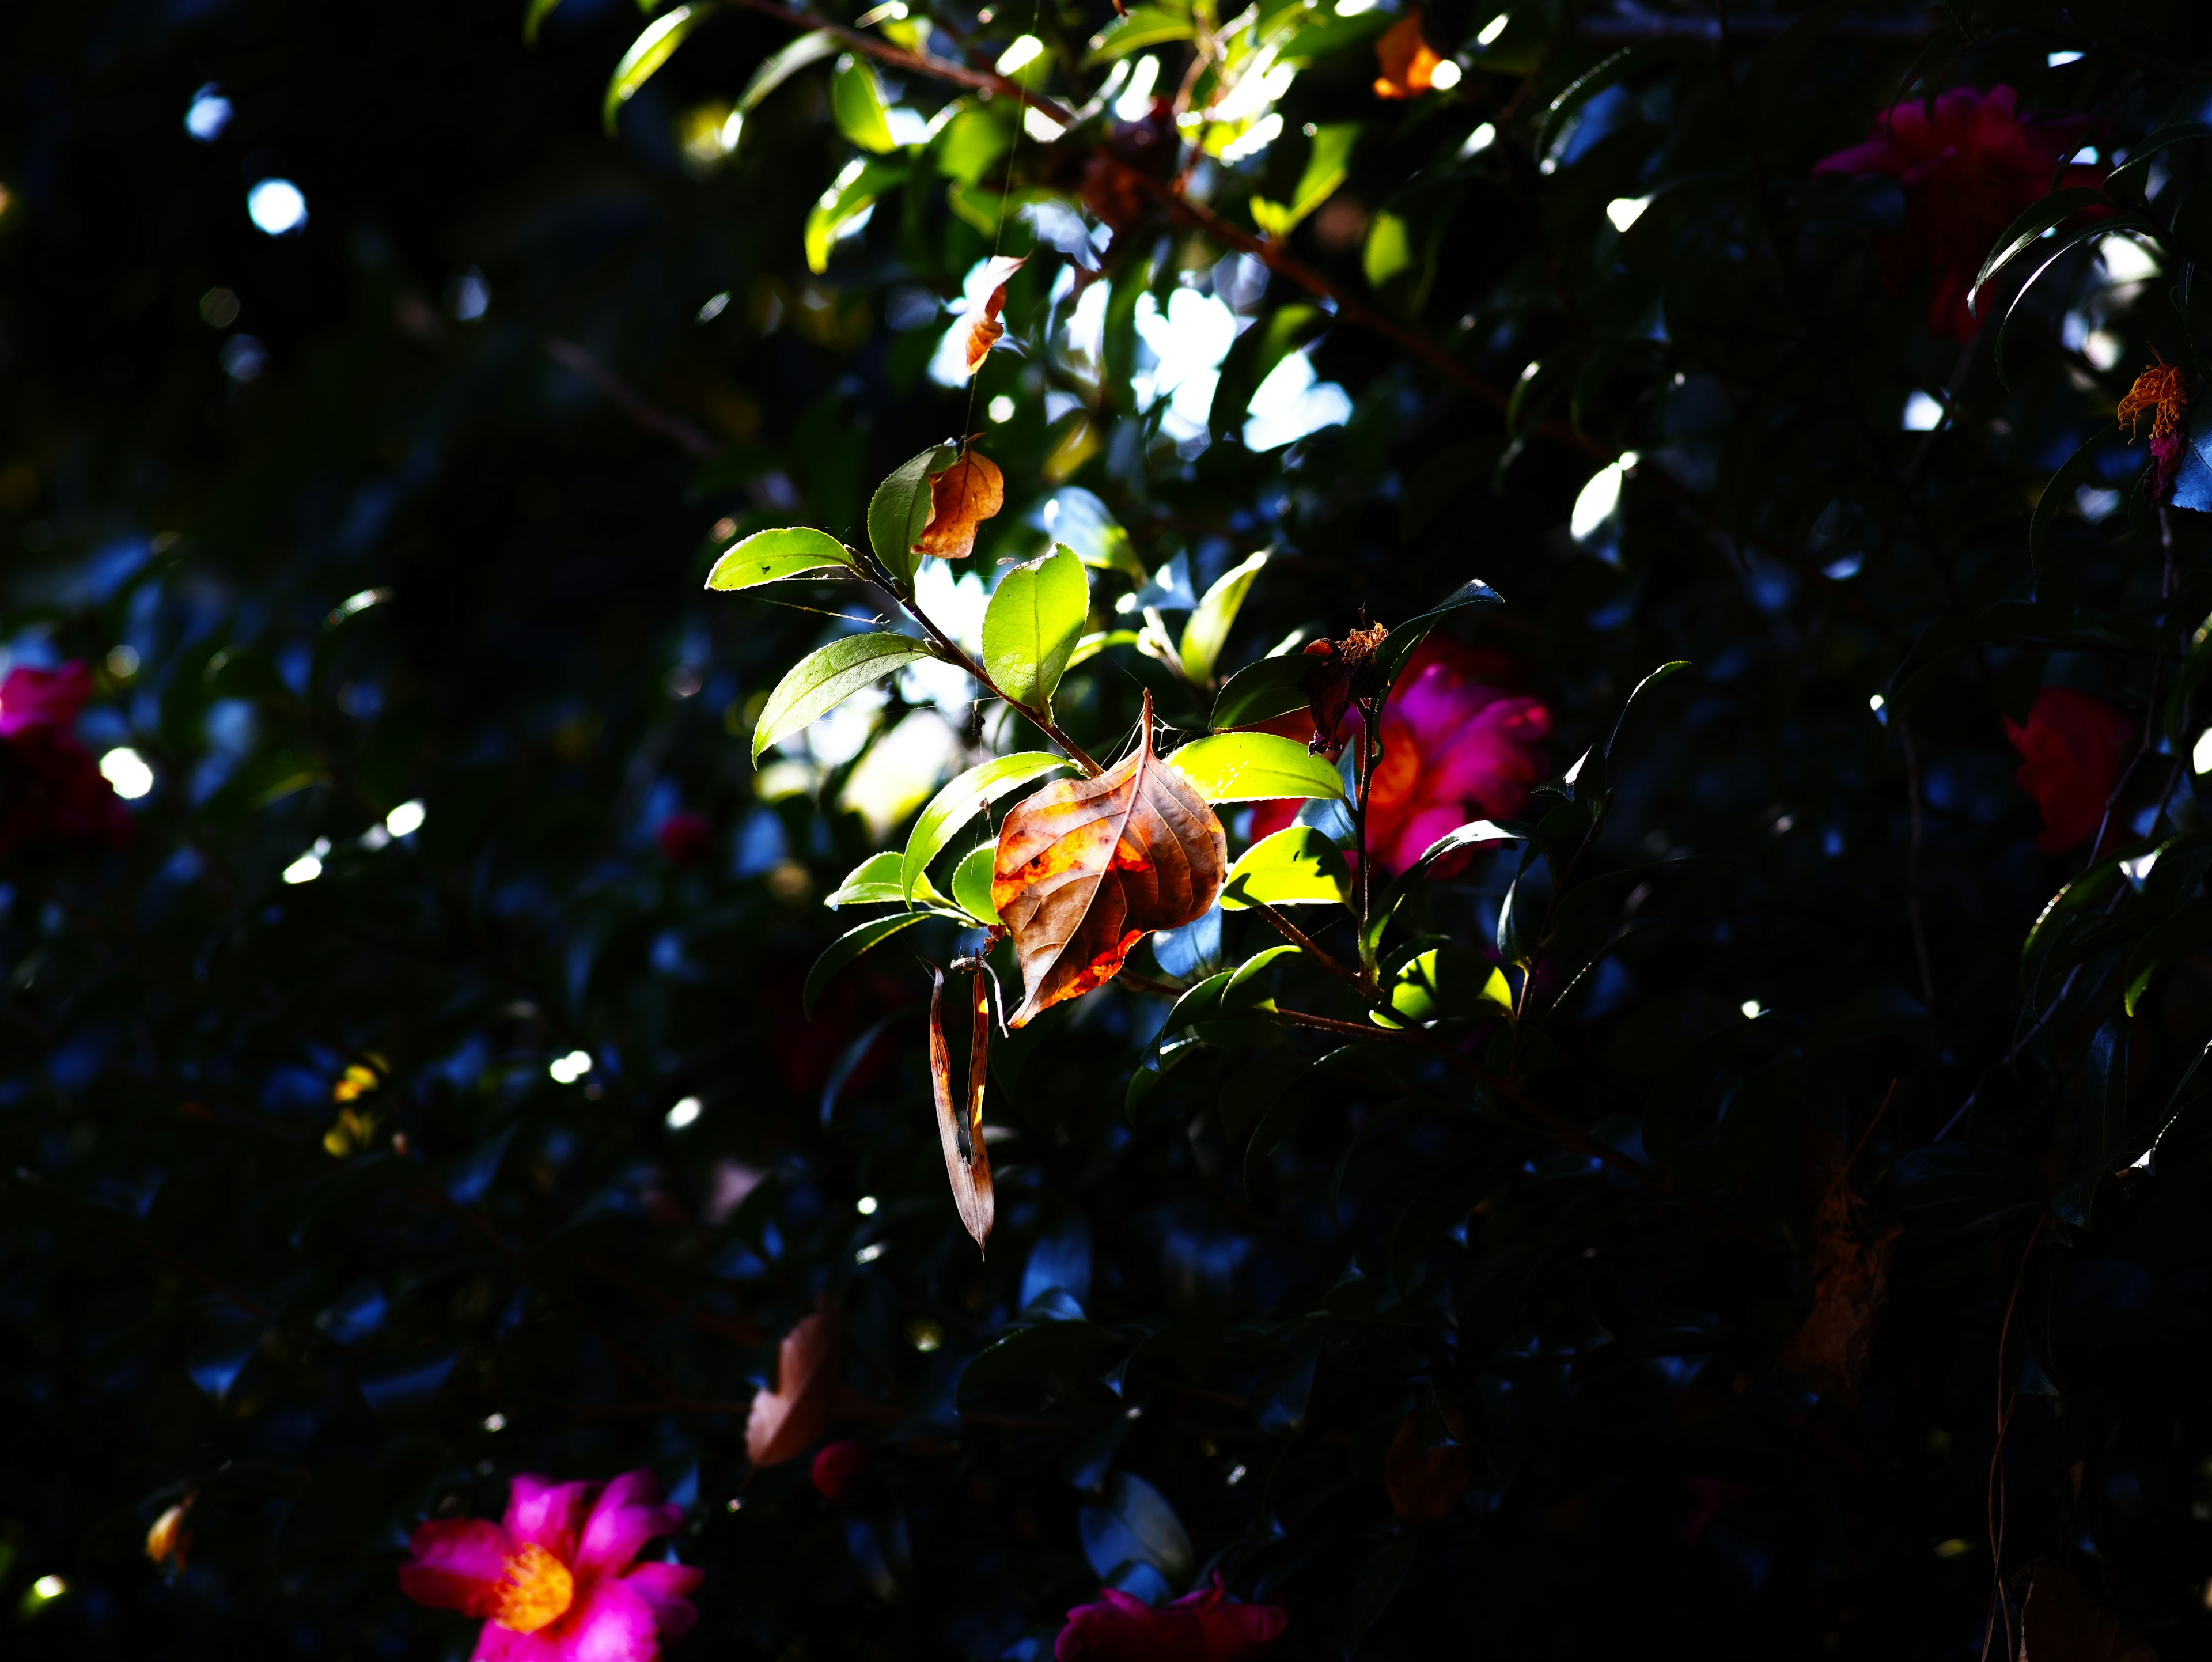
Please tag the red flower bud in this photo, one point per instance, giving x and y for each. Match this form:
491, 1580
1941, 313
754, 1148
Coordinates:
839, 1471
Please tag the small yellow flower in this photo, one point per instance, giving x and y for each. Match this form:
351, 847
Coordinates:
2160, 393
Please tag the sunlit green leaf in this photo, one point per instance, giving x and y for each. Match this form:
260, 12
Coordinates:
849, 946
963, 798
856, 101
873, 881
900, 508
1447, 982
537, 14
825, 678
1328, 163
1261, 691
1030, 630
1295, 866
1142, 27
647, 54
1254, 767
767, 556
971, 883
1398, 646
1207, 632
786, 62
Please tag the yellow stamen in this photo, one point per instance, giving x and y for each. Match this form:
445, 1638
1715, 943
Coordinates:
536, 1590
2160, 391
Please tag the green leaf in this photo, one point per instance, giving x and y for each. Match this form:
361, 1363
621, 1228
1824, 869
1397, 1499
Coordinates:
1399, 644
647, 54
1253, 358
1244, 973
899, 510
1636, 692
537, 13
963, 799
1467, 836
1207, 632
1031, 627
855, 190
1255, 767
1299, 866
847, 947
1587, 85
781, 65
1142, 27
1261, 691
2196, 664
1389, 249
971, 883
1091, 645
872, 882
1328, 163
824, 678
767, 556
2058, 493
1444, 982
856, 102
2034, 219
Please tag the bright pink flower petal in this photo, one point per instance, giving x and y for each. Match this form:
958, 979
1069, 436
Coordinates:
547, 1513
43, 697
627, 1515
457, 1565
668, 1589
608, 1623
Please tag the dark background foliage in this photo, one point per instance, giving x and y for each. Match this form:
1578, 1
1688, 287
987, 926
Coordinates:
417, 556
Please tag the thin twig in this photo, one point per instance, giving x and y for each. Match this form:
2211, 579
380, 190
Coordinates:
619, 393
1997, 1471
1912, 870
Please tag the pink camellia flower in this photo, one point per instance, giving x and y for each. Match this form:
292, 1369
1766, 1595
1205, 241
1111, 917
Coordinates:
839, 1471
43, 697
554, 1580
1455, 748
685, 836
1968, 166
52, 798
2070, 747
1206, 1626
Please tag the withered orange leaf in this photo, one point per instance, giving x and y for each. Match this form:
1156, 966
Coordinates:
790, 1419
1850, 1274
961, 497
2059, 1621
169, 1543
960, 1125
1087, 867
1426, 1483
1406, 60
981, 320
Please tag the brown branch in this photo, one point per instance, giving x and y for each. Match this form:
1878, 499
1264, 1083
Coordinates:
1995, 1497
619, 393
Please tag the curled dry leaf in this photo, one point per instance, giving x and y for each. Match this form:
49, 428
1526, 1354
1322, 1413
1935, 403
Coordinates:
2059, 1621
960, 1125
961, 498
1087, 867
1408, 63
788, 1421
1426, 1483
981, 323
1850, 1274
169, 1543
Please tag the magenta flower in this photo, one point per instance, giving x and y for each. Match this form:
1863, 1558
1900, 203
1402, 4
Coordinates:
1207, 1626
555, 1581
52, 798
1455, 746
1968, 166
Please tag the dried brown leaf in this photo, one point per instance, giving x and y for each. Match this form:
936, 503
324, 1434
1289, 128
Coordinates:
960, 1126
1851, 1284
983, 328
169, 1543
1426, 1483
2059, 1621
788, 1421
1408, 63
1088, 867
961, 498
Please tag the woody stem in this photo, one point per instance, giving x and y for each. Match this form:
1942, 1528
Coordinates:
949, 649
